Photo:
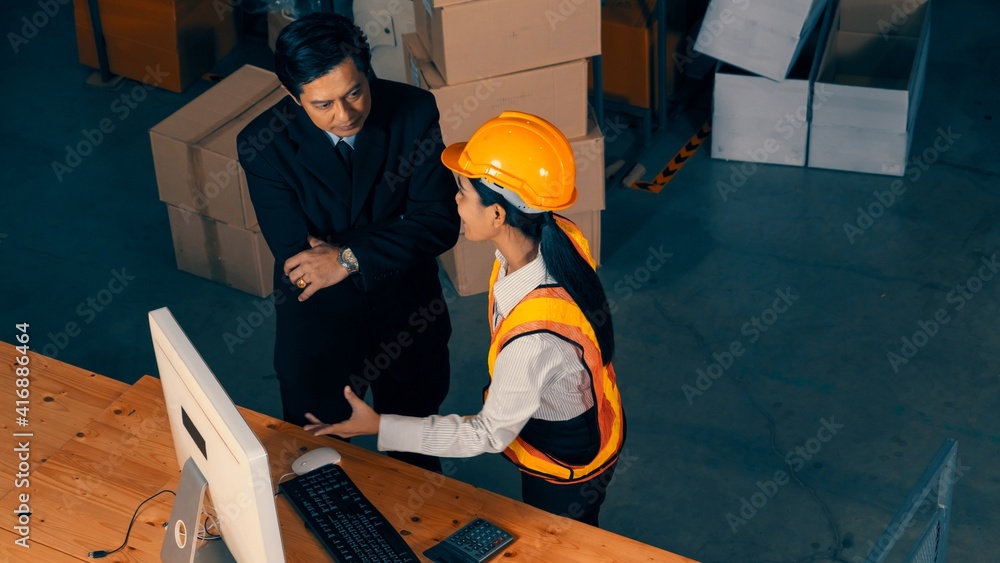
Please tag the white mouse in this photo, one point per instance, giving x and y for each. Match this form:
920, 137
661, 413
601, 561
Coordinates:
315, 459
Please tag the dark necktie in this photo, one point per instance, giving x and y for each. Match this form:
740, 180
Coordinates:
346, 155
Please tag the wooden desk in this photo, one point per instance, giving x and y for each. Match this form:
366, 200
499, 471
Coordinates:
99, 447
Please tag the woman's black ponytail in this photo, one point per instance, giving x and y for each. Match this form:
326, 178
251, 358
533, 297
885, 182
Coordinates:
570, 269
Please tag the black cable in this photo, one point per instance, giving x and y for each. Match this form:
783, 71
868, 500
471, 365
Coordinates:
205, 528
100, 554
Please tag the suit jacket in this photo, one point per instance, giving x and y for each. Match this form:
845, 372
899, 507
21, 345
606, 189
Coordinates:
397, 212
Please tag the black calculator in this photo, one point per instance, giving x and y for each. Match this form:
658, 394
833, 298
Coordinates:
474, 542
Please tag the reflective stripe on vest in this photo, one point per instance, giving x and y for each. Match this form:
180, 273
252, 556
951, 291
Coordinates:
551, 309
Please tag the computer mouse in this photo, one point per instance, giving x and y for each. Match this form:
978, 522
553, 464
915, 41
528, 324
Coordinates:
315, 459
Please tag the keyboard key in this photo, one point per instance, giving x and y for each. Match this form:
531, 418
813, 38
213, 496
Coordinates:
346, 523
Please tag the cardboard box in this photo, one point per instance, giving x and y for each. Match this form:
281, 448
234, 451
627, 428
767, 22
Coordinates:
181, 40
222, 253
629, 53
588, 152
764, 38
872, 74
557, 93
276, 21
473, 39
469, 264
756, 119
195, 152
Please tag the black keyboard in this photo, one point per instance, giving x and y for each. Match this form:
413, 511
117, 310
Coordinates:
347, 524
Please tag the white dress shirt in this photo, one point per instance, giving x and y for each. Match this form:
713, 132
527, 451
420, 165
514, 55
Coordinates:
336, 139
535, 376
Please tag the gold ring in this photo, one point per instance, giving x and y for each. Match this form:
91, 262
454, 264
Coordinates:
302, 283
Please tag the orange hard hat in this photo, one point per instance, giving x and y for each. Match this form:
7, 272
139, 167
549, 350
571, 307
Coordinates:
522, 153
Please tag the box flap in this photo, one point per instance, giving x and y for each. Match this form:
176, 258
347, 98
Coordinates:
883, 17
223, 139
887, 62
220, 104
411, 41
421, 59
762, 37
813, 25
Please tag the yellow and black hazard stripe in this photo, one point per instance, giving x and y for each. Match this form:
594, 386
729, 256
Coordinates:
675, 163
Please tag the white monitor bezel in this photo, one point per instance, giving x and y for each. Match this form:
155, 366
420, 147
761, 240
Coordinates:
237, 467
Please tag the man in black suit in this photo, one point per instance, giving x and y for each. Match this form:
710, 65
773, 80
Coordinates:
355, 205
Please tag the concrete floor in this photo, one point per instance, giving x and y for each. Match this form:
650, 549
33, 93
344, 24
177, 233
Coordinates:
822, 362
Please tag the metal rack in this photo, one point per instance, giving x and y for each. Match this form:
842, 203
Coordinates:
644, 114
99, 41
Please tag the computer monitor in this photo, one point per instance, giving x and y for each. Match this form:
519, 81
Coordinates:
215, 448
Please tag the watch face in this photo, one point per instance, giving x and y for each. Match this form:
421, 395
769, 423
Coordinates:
348, 260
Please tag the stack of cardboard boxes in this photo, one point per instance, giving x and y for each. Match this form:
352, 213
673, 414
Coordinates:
204, 188
179, 40
482, 57
841, 95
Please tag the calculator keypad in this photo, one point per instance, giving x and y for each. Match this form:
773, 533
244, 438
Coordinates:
480, 539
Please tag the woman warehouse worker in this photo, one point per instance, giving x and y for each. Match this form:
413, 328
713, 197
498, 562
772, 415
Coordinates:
552, 405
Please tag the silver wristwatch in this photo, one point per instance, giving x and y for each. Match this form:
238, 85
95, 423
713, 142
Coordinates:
348, 260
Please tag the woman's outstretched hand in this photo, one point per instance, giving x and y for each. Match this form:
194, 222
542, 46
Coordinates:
364, 420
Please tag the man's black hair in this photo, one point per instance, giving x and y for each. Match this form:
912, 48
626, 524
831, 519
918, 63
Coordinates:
314, 44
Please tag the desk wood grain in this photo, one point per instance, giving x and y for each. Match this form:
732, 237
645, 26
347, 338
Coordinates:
63, 399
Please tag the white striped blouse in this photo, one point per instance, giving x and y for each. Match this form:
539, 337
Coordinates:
536, 375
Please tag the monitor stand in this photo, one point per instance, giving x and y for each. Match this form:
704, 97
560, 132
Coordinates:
181, 542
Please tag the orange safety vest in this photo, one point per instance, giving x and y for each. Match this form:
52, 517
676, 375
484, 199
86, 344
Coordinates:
551, 309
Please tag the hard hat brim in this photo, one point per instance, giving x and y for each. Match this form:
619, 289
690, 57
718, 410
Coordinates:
450, 157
